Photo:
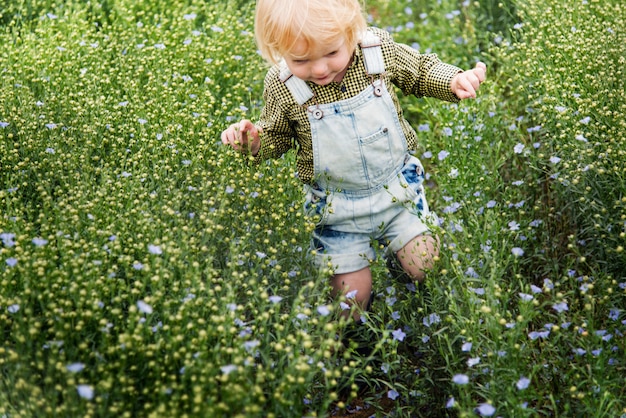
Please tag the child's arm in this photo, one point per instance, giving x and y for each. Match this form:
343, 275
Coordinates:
465, 84
243, 136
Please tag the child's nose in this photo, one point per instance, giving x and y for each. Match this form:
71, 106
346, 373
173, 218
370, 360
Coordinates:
319, 68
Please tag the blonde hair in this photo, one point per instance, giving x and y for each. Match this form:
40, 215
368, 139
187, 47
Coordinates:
279, 24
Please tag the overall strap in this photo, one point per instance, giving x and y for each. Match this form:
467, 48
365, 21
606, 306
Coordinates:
372, 57
298, 87
372, 54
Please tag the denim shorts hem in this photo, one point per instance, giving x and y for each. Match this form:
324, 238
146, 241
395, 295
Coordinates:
345, 263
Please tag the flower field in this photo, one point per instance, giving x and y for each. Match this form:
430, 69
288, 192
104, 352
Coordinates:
146, 270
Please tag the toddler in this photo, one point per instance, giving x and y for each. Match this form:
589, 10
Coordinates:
330, 94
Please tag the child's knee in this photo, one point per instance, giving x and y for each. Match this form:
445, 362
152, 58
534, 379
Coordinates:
419, 256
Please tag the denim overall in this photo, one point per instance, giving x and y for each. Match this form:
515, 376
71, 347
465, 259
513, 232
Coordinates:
367, 186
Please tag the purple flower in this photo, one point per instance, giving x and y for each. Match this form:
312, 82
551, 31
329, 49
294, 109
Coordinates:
517, 251
443, 155
560, 307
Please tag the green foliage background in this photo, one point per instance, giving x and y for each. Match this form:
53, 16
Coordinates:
146, 270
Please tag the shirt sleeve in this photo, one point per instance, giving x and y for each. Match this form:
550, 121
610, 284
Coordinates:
277, 135
423, 75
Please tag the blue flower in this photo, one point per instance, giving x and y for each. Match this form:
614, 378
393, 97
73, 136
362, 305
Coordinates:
85, 391
39, 242
431, 319
522, 383
228, 369
155, 249
460, 379
75, 367
275, 299
486, 409
323, 310
398, 335
473, 361
538, 334
144, 307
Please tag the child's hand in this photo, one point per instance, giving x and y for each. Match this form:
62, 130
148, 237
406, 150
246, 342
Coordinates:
465, 84
243, 136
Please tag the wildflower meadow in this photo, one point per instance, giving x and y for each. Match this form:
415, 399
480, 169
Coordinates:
146, 270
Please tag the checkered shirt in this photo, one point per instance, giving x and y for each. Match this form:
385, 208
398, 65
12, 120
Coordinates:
286, 125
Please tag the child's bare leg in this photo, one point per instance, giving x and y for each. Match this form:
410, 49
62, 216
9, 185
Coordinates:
360, 280
419, 255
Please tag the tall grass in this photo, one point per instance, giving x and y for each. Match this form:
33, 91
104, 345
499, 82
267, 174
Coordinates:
146, 270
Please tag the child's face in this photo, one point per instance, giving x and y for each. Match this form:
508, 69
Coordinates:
321, 64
